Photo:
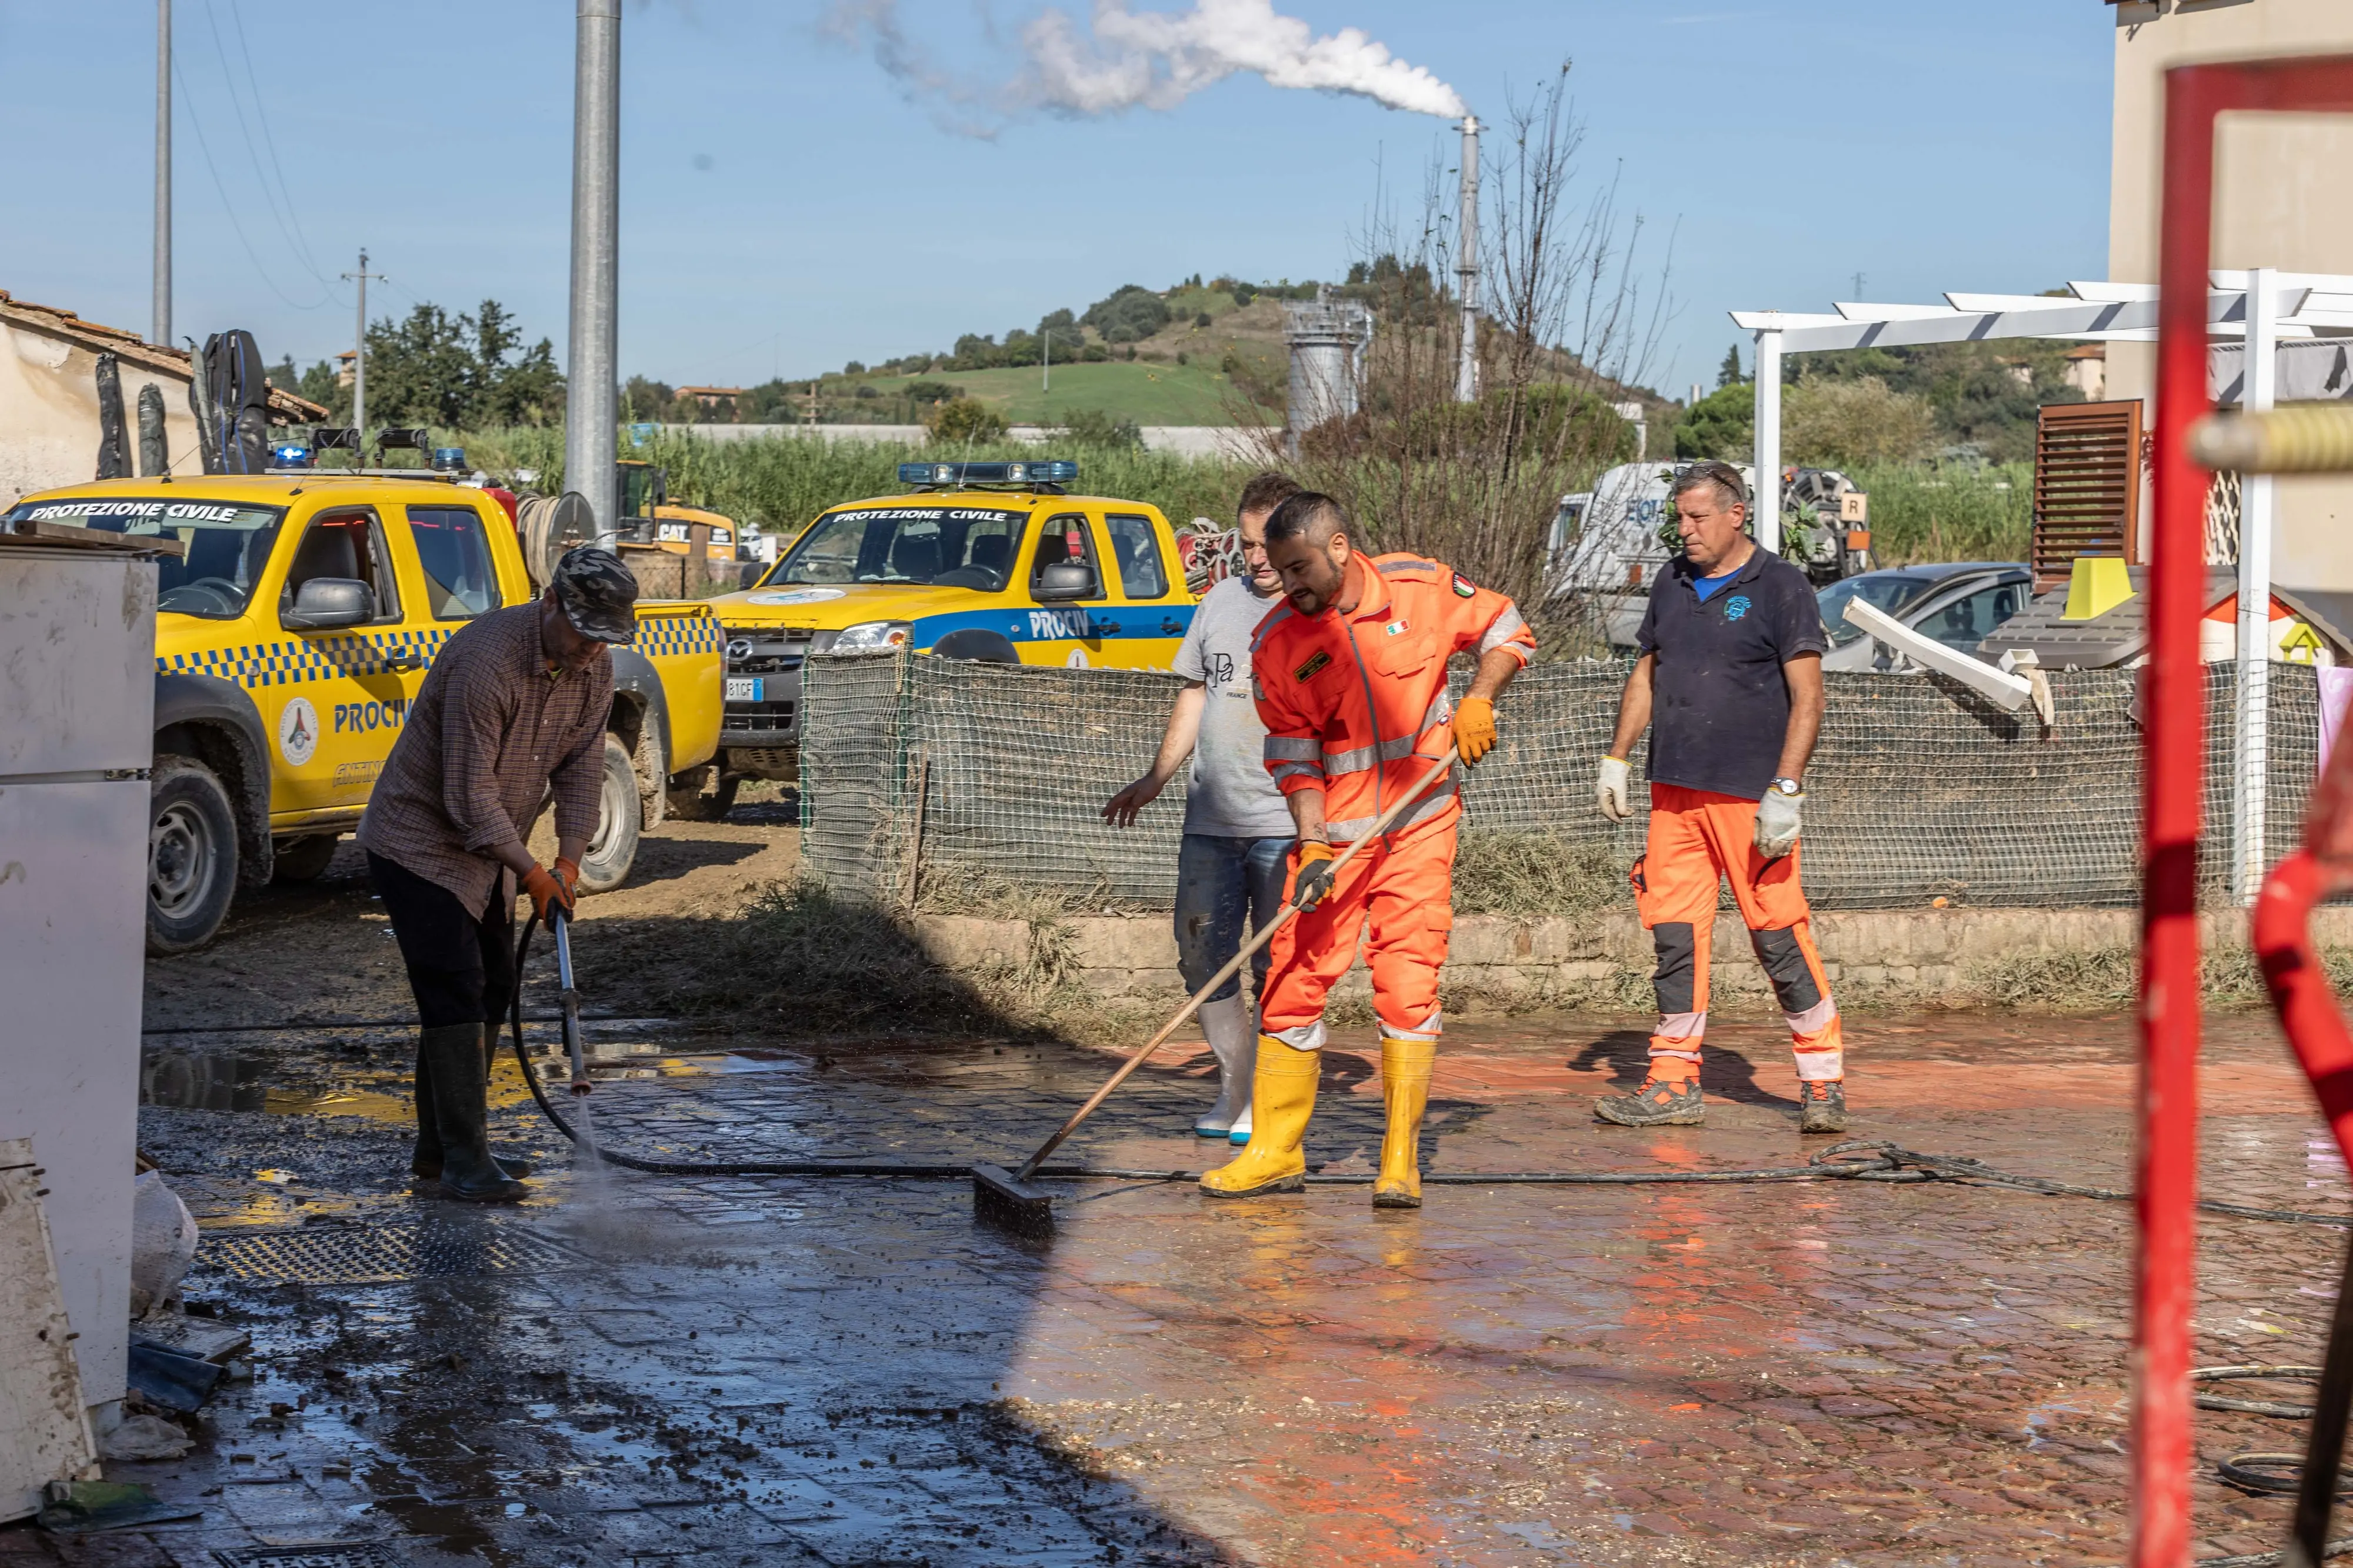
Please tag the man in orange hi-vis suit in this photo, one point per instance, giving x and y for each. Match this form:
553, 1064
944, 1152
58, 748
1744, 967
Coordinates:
1351, 678
1730, 687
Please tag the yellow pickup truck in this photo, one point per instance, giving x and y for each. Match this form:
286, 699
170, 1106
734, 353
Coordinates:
990, 561
272, 719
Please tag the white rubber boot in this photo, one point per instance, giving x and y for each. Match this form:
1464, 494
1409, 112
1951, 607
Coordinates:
1231, 1026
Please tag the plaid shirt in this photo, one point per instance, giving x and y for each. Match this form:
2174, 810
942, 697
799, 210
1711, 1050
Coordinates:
489, 736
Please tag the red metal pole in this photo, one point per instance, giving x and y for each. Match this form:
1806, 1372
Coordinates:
2174, 719
2164, 1273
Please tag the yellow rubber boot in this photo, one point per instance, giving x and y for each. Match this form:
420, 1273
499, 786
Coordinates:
1282, 1097
1404, 1085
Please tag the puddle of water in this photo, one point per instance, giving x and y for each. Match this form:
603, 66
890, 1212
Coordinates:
242, 1081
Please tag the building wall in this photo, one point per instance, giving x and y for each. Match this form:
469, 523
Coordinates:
2279, 202
49, 412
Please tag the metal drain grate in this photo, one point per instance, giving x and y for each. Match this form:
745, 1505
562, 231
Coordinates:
375, 1255
324, 1555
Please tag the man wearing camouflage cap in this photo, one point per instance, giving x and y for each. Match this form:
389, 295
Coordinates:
513, 713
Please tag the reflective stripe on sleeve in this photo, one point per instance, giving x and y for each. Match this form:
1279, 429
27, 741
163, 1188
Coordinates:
1293, 749
1283, 771
1504, 629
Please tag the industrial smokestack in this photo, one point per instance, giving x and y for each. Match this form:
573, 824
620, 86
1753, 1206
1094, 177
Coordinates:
1466, 267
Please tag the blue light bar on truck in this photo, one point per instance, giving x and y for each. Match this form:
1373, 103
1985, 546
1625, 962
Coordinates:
289, 455
1046, 471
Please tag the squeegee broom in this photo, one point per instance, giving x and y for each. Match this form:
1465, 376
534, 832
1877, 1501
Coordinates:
1010, 1198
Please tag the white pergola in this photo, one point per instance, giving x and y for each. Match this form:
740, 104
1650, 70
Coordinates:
2259, 309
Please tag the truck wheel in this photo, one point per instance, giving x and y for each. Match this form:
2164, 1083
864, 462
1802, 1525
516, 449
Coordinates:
302, 859
605, 864
192, 858
688, 802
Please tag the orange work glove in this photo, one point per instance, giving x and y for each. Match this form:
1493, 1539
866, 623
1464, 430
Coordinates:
1313, 878
549, 892
1474, 729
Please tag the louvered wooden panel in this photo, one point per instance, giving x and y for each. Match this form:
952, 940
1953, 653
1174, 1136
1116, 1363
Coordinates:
2087, 485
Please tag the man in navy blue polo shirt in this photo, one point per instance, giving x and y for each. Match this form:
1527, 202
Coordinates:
1730, 685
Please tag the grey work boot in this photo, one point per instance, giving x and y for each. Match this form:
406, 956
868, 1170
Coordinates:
1657, 1103
453, 1066
426, 1163
1823, 1103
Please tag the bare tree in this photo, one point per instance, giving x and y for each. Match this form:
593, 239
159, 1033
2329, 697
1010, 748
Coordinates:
1569, 324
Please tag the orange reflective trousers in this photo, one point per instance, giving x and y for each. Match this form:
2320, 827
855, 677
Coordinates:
1697, 837
1400, 893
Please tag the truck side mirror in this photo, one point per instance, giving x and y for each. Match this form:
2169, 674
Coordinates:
1065, 579
328, 603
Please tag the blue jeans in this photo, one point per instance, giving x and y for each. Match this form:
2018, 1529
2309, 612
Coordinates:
1219, 881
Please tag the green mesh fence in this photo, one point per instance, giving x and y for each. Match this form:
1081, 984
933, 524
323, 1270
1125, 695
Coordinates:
1920, 788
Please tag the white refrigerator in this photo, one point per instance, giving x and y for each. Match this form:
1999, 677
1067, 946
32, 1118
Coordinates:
77, 733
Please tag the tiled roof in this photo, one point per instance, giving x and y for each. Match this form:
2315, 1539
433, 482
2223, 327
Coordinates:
133, 350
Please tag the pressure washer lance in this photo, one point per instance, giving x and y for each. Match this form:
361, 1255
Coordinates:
1009, 1198
568, 999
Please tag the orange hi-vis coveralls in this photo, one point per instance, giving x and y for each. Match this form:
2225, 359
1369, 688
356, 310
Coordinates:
1357, 705
1697, 836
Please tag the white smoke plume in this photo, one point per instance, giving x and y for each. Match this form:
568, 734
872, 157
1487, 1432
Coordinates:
1156, 59
1150, 60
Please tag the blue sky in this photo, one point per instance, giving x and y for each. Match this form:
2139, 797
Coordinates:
785, 206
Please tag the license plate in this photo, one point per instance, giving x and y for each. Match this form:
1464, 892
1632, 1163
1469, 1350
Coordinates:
746, 688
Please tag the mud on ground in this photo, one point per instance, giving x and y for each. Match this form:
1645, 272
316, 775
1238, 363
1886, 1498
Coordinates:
726, 1370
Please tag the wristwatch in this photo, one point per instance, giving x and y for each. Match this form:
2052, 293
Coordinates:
1788, 786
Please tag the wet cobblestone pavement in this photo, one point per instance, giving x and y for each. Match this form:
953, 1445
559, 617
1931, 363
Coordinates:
642, 1369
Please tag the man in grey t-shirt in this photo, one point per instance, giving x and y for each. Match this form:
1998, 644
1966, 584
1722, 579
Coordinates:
1238, 831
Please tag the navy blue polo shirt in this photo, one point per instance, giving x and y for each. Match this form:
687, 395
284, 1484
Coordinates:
1720, 704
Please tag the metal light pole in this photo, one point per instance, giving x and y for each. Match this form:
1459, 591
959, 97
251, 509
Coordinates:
590, 404
359, 351
1466, 237
161, 334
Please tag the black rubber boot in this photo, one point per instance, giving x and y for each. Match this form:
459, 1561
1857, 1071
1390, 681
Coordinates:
426, 1163
454, 1062
1656, 1104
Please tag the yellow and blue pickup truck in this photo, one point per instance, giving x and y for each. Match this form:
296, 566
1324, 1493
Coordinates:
272, 719
992, 561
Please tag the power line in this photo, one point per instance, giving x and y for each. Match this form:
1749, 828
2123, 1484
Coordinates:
261, 115
288, 230
196, 123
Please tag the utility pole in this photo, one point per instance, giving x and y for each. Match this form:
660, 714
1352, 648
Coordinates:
591, 401
1466, 266
359, 349
161, 336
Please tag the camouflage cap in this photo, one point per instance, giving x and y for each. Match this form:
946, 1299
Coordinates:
598, 595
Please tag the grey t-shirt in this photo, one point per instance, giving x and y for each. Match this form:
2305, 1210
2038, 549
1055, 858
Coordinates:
1232, 793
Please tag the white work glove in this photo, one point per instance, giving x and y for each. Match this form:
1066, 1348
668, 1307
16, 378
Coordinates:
1777, 824
1612, 790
